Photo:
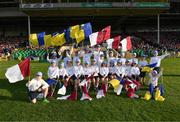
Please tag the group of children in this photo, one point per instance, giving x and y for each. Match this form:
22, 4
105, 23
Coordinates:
98, 67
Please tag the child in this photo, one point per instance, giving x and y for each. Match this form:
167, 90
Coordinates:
110, 57
69, 70
103, 72
119, 70
76, 57
63, 76
135, 71
87, 56
157, 59
112, 71
78, 73
87, 74
127, 68
36, 86
95, 72
143, 62
53, 75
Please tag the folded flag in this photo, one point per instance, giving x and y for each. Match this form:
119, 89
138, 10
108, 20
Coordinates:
126, 44
85, 94
115, 83
102, 92
113, 43
147, 96
62, 90
72, 96
158, 96
99, 37
19, 71
87, 29
118, 89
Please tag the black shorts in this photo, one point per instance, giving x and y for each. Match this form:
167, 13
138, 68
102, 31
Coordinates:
142, 74
101, 76
74, 77
33, 94
62, 77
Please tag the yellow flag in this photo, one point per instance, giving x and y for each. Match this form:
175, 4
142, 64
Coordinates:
147, 96
79, 36
47, 40
73, 30
157, 96
146, 69
33, 39
114, 83
58, 40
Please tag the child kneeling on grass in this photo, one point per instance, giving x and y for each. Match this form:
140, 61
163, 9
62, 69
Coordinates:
36, 86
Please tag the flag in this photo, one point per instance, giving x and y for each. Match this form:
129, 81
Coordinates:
152, 65
19, 71
40, 37
106, 32
47, 40
118, 89
87, 29
147, 96
73, 30
158, 96
148, 67
58, 40
79, 36
85, 94
99, 37
33, 39
113, 43
62, 90
37, 39
72, 96
115, 83
102, 92
67, 35
126, 44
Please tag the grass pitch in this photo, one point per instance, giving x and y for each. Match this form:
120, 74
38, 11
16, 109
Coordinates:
14, 104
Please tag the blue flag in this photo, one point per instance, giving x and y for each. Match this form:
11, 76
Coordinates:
87, 29
67, 35
152, 65
40, 37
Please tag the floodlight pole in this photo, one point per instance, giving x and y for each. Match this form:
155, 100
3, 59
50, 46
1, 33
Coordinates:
29, 25
158, 29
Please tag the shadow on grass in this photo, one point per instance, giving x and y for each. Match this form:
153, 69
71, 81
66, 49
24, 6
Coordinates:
16, 92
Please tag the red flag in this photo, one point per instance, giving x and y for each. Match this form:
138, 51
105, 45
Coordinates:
106, 32
113, 42
19, 71
126, 44
99, 37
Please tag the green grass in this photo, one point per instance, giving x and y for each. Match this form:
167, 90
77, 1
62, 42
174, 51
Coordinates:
15, 106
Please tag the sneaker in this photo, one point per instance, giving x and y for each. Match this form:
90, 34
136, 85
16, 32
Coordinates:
46, 101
